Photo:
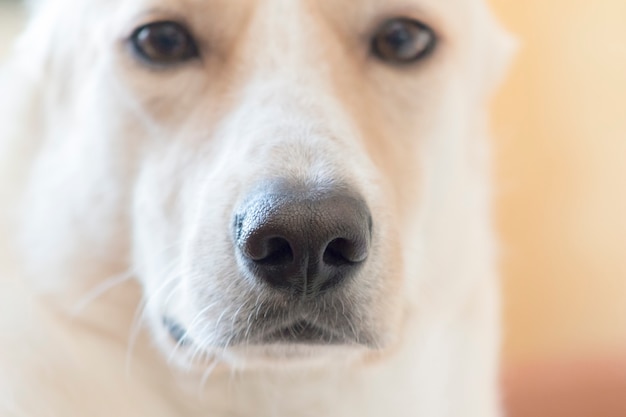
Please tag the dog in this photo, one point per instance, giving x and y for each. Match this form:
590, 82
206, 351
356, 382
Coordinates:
249, 208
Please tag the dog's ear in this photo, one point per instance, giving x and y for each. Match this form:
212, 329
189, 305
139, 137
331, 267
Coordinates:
39, 39
24, 81
501, 48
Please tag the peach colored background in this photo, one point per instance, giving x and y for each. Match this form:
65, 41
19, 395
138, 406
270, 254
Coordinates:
560, 124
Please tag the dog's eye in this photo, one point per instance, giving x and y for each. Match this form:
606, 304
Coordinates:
403, 41
164, 43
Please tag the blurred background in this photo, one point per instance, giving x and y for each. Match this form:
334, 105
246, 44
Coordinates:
559, 125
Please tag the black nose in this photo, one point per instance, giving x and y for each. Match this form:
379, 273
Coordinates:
302, 239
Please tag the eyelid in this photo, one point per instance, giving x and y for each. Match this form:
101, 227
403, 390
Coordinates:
147, 61
388, 56
135, 31
429, 18
156, 15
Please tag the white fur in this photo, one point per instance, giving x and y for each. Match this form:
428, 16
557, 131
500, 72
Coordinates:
118, 187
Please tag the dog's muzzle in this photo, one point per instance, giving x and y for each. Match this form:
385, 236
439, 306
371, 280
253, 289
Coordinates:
299, 250
302, 240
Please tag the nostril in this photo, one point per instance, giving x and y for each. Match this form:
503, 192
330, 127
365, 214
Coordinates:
264, 248
277, 252
341, 252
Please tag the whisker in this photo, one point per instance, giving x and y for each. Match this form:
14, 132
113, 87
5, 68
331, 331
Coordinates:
99, 290
192, 326
140, 314
205, 376
254, 313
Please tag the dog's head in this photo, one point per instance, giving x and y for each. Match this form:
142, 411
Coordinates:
265, 167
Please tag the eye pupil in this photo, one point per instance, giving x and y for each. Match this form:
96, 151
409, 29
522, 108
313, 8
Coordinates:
403, 41
164, 43
166, 40
398, 36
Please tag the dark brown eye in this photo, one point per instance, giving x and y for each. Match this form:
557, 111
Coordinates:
164, 43
403, 41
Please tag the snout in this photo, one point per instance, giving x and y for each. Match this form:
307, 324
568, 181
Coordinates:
301, 239
298, 270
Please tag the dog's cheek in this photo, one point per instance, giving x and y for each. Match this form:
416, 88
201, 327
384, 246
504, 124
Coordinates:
157, 216
72, 203
178, 238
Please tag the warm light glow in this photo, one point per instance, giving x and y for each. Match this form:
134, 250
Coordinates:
560, 128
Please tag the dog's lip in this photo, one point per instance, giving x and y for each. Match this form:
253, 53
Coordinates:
177, 332
302, 332
295, 332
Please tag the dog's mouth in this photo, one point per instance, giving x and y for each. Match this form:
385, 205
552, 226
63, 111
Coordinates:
300, 332
303, 332
177, 332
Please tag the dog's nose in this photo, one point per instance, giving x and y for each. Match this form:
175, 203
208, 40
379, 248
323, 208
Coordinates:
302, 239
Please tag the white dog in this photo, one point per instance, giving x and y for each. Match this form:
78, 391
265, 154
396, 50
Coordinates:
292, 196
